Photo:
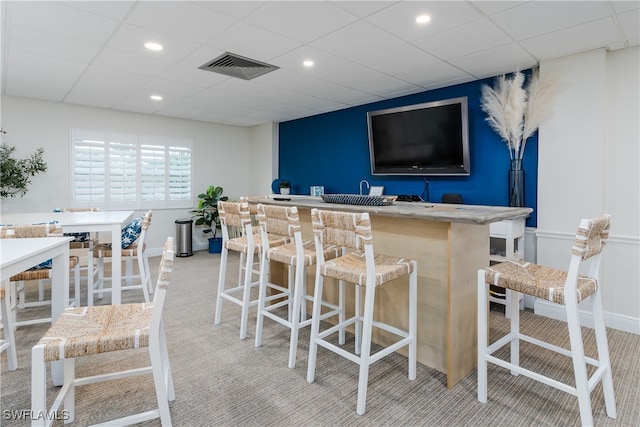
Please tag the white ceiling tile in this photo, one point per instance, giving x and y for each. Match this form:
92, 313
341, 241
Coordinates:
28, 77
432, 74
323, 61
37, 42
492, 7
102, 87
539, 17
623, 6
351, 75
140, 102
452, 82
357, 42
630, 22
192, 75
235, 9
584, 37
500, 60
253, 42
363, 8
385, 87
110, 9
130, 38
400, 19
125, 61
301, 21
400, 58
61, 20
184, 20
168, 87
474, 36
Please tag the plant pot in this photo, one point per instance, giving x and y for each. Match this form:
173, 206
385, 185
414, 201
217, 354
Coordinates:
215, 245
285, 190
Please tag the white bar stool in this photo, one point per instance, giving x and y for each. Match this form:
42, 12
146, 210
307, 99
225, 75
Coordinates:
567, 289
233, 216
297, 256
362, 267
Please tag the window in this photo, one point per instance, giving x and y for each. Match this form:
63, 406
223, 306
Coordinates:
120, 171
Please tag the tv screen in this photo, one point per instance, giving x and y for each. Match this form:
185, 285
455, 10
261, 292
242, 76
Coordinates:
422, 139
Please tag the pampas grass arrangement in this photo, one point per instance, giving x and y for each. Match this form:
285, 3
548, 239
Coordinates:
515, 111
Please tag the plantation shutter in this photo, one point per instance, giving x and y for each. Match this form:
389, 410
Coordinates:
88, 167
123, 163
179, 173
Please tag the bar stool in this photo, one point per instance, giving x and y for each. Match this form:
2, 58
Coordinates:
567, 289
233, 216
297, 255
362, 267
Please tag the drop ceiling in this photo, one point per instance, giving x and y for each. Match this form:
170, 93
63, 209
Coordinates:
91, 52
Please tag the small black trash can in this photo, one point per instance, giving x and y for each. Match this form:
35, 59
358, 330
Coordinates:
183, 237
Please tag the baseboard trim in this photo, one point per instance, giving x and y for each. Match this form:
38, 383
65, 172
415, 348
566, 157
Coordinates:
612, 320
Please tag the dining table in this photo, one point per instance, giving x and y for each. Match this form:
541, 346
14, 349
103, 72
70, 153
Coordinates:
17, 255
81, 222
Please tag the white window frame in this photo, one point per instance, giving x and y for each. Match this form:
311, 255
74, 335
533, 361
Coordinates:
123, 156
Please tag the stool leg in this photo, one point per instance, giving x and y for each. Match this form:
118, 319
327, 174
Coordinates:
298, 299
221, 279
513, 305
358, 315
315, 327
413, 320
9, 336
341, 311
603, 353
367, 327
38, 385
262, 295
483, 327
246, 296
579, 364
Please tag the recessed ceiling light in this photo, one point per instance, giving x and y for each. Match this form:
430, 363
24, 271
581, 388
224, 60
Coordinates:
156, 97
423, 19
308, 63
153, 46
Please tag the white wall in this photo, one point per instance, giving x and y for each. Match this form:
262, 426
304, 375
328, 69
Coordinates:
220, 154
588, 165
263, 158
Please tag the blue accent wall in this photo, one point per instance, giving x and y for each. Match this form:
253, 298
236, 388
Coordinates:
332, 149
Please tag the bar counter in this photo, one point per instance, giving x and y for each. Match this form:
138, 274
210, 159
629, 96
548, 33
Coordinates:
450, 243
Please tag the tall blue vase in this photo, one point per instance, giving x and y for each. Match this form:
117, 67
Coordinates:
516, 184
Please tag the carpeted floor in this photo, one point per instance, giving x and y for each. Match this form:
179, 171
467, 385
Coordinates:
223, 381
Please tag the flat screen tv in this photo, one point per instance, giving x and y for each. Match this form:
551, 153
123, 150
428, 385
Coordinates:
422, 139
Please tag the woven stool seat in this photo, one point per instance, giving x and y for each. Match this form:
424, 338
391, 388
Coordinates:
537, 280
352, 268
105, 250
286, 254
42, 273
241, 244
83, 331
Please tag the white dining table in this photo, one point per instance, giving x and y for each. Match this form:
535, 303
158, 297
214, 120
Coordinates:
17, 255
80, 222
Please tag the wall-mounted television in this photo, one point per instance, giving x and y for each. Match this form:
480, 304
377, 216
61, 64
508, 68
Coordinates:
421, 139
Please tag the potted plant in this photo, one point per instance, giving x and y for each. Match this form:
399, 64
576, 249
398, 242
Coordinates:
17, 173
285, 187
207, 215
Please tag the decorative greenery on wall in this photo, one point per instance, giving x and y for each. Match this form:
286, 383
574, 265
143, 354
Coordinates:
17, 173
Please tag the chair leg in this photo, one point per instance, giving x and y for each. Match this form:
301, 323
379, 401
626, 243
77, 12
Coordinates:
483, 327
38, 385
171, 394
144, 278
514, 311
579, 363
367, 329
358, 316
157, 368
603, 354
221, 279
70, 395
149, 284
315, 327
9, 336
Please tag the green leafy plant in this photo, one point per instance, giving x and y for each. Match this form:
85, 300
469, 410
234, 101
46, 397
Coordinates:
207, 212
284, 184
17, 173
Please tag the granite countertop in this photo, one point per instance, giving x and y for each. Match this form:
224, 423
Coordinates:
475, 214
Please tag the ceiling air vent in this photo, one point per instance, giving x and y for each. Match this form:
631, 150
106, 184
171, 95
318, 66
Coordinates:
238, 66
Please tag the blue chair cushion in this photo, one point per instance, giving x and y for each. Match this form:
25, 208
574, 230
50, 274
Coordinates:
131, 232
48, 263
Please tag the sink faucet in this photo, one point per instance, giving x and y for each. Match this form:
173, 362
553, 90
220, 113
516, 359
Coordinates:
364, 181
